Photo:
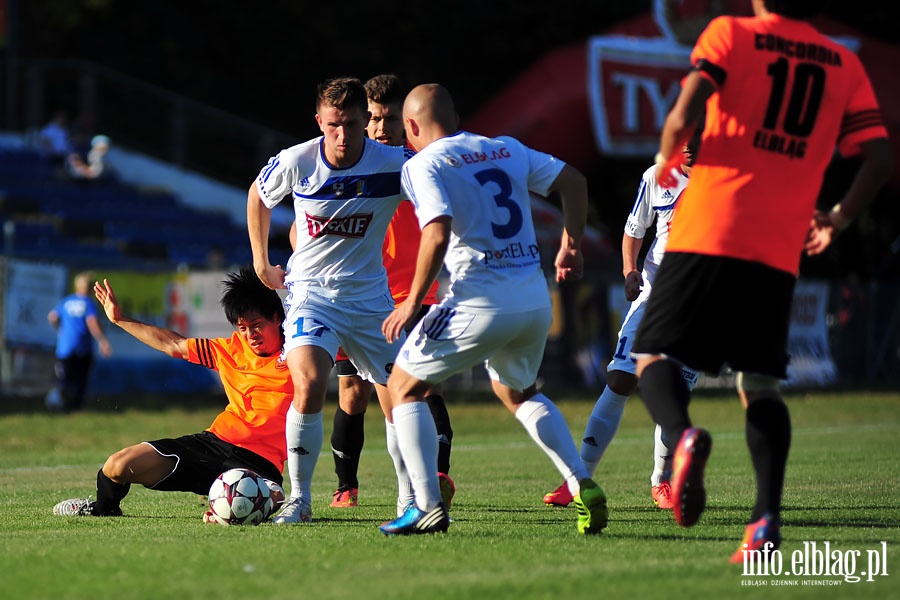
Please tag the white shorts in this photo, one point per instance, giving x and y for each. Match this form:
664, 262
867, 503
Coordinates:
621, 360
313, 320
448, 340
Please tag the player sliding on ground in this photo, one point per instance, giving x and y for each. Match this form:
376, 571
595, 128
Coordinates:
248, 434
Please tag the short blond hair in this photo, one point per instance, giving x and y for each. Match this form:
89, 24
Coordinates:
83, 281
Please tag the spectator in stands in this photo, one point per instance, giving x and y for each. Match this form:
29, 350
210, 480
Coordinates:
75, 320
84, 127
216, 259
90, 164
53, 139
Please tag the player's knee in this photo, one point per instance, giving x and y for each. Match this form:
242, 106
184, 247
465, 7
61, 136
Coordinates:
354, 394
621, 382
645, 361
403, 387
751, 386
116, 466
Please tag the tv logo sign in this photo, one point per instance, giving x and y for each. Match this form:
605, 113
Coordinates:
632, 83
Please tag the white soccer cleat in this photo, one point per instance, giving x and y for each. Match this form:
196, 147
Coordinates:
75, 507
294, 511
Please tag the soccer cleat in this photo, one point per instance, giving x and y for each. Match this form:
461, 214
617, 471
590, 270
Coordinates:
345, 498
210, 517
561, 496
688, 493
415, 521
294, 511
276, 493
404, 505
75, 507
662, 495
757, 535
448, 489
591, 506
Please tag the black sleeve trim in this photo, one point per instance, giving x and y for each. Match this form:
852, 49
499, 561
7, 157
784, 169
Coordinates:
717, 73
205, 354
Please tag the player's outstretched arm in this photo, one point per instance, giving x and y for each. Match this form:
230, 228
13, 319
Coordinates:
170, 342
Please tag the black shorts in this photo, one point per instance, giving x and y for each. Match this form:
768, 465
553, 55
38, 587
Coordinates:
345, 368
708, 311
201, 457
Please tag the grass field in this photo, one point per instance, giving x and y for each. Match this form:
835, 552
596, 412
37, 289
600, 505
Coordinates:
842, 488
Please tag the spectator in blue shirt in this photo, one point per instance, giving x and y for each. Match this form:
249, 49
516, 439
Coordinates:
76, 324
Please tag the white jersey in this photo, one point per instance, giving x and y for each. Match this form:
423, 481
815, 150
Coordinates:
483, 183
652, 202
342, 215
659, 203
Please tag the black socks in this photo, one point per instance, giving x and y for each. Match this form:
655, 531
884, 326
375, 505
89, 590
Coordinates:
666, 396
109, 495
768, 432
445, 432
347, 440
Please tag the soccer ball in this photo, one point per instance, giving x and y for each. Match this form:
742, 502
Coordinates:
241, 497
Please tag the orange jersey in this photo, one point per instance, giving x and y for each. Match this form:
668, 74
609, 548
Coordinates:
399, 253
786, 96
259, 391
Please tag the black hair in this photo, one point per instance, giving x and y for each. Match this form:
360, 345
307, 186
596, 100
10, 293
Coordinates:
244, 294
385, 89
794, 9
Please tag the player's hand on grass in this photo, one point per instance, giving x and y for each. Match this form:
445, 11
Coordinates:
107, 297
396, 322
633, 284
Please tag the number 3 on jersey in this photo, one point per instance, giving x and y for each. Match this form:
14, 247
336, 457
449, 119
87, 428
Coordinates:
503, 199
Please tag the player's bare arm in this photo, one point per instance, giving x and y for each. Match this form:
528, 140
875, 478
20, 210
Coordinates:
94, 327
875, 170
571, 186
631, 247
680, 125
432, 248
259, 219
170, 342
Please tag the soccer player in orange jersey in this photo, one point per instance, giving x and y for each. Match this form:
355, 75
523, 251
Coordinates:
248, 434
779, 97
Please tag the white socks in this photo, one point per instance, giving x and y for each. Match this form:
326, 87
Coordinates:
418, 444
404, 485
304, 435
662, 459
601, 427
547, 427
